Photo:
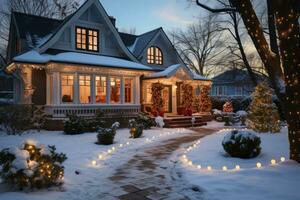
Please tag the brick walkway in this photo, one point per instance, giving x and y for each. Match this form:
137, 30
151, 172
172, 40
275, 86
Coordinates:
143, 177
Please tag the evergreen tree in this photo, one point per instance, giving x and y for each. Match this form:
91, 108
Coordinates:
205, 101
263, 113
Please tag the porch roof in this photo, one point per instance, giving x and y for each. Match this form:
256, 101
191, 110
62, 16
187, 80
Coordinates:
79, 58
171, 70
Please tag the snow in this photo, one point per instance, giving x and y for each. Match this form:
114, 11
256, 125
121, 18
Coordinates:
79, 58
276, 182
159, 121
81, 150
242, 113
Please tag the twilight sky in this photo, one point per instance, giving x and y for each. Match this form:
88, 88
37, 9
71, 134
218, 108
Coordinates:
145, 15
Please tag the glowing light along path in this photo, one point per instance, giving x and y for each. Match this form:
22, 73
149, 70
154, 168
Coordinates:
184, 158
115, 148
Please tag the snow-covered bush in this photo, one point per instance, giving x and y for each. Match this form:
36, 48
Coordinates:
243, 116
92, 125
16, 119
32, 166
136, 129
74, 125
106, 135
145, 120
159, 121
242, 144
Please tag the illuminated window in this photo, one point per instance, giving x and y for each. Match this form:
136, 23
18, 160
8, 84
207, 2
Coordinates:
67, 88
128, 90
154, 56
115, 90
85, 89
87, 39
100, 89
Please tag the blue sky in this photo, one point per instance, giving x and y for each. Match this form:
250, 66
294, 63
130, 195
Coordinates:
145, 15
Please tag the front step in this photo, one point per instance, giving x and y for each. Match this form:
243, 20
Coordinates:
185, 121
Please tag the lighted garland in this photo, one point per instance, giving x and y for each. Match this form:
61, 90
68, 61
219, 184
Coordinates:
184, 159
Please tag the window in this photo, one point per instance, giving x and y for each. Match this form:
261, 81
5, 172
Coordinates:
85, 89
87, 39
115, 90
221, 90
100, 89
154, 56
238, 91
67, 88
128, 90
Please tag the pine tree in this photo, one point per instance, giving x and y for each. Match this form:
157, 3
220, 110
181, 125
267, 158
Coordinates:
263, 113
39, 118
205, 101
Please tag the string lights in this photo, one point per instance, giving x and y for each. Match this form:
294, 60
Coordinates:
184, 158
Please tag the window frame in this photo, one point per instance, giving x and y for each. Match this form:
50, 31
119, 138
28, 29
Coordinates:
131, 90
91, 79
87, 39
61, 85
155, 56
105, 87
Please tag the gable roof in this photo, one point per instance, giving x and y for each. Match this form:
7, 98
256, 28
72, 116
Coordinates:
79, 11
33, 28
235, 76
171, 70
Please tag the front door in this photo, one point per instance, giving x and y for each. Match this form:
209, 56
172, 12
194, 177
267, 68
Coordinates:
167, 98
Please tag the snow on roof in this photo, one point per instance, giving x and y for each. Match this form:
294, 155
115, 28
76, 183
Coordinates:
79, 58
171, 70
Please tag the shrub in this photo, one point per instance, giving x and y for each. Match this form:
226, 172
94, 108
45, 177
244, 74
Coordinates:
106, 135
74, 125
16, 119
92, 125
242, 144
145, 120
32, 166
136, 129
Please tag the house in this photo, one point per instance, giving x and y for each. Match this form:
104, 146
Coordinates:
82, 64
233, 83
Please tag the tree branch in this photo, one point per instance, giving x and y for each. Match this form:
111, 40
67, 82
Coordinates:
215, 10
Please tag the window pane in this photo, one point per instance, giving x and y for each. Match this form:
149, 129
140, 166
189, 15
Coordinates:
128, 90
84, 89
67, 88
100, 89
115, 90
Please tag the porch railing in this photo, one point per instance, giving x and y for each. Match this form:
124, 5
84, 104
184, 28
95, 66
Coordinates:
110, 111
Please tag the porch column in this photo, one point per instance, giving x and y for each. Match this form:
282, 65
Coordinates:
49, 88
76, 88
56, 88
174, 99
93, 96
122, 90
137, 90
108, 90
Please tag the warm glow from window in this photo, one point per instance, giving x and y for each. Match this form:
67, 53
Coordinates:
100, 87
85, 89
154, 56
128, 90
115, 90
87, 39
67, 88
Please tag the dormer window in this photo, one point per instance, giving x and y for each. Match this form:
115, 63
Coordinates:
87, 39
154, 56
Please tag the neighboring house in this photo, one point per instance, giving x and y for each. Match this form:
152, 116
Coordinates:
6, 85
235, 82
82, 63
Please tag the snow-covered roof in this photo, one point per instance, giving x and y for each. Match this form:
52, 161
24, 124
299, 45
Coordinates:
79, 58
171, 70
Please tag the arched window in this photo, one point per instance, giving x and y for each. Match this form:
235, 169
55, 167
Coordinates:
154, 56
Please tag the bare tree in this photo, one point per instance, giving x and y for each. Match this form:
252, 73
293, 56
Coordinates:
46, 8
200, 46
286, 15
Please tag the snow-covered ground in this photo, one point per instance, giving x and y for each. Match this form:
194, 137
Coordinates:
81, 150
279, 181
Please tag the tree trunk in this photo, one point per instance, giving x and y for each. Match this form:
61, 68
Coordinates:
287, 14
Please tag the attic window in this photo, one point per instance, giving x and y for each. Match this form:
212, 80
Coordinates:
154, 56
87, 39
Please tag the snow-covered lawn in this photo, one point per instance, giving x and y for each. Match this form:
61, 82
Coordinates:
279, 181
81, 150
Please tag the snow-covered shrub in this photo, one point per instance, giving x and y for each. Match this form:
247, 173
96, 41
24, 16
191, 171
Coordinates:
243, 116
145, 120
32, 166
106, 135
159, 121
16, 119
136, 129
92, 125
242, 144
74, 125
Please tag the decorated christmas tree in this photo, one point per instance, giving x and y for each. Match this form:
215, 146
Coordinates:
205, 101
263, 113
187, 99
157, 100
227, 107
